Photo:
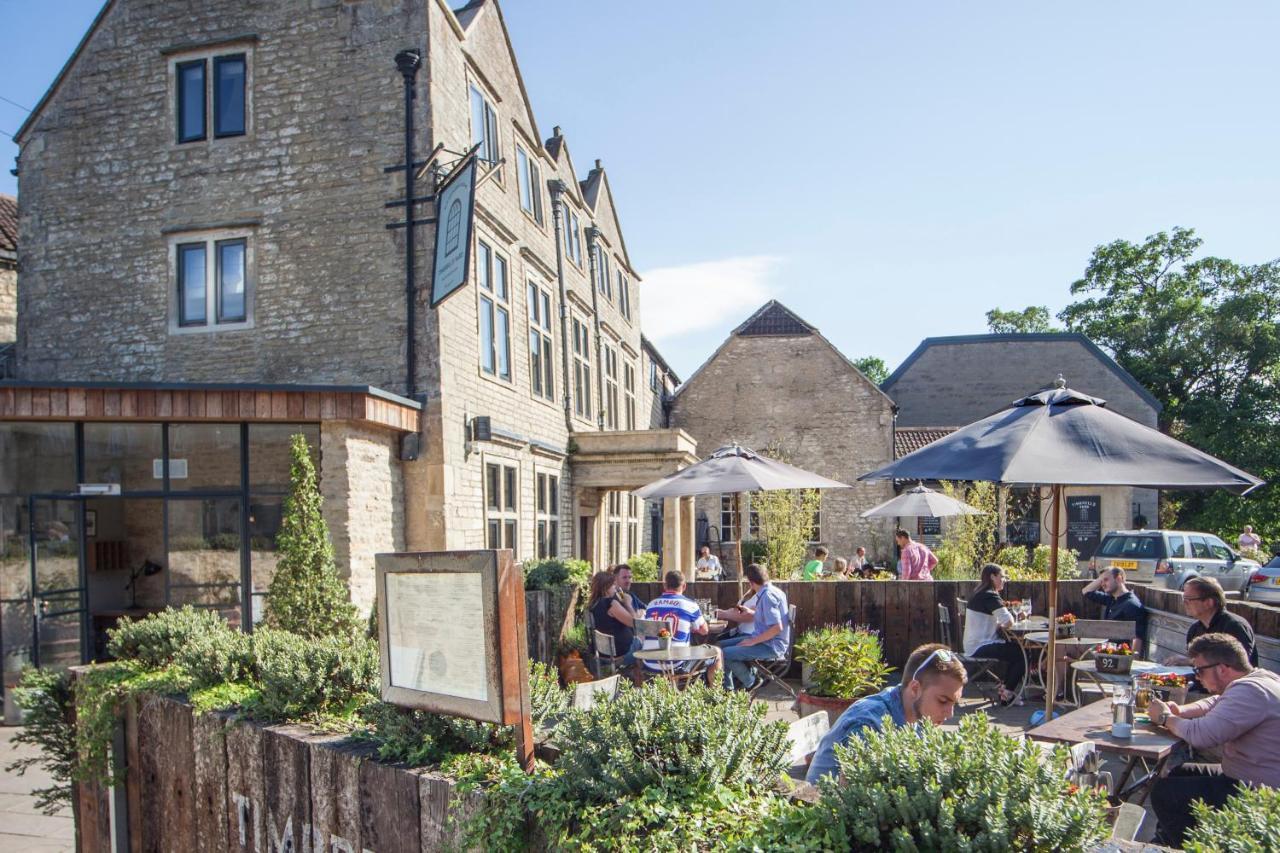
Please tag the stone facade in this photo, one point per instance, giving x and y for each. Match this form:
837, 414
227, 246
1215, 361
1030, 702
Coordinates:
108, 195
8, 272
796, 392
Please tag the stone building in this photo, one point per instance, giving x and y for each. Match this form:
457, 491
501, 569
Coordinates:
8, 278
209, 191
776, 384
948, 382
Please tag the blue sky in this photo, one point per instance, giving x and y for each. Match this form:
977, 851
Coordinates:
890, 171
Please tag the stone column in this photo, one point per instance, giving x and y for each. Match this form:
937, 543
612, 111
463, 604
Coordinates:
688, 553
671, 548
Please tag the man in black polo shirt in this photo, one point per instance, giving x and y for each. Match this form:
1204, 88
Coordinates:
1119, 603
1204, 601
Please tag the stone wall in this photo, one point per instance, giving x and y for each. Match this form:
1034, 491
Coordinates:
800, 394
362, 484
8, 303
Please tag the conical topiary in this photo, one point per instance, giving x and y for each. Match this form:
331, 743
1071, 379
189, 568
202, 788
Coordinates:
306, 595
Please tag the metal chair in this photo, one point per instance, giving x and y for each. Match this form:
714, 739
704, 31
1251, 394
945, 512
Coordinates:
974, 666
775, 671
606, 653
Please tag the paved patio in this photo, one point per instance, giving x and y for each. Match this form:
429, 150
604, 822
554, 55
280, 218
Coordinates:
22, 827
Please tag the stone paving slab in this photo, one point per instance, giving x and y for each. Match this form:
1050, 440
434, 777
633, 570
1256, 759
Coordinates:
22, 827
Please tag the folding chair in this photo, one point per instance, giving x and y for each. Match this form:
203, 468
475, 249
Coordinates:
587, 694
803, 738
775, 671
606, 654
974, 666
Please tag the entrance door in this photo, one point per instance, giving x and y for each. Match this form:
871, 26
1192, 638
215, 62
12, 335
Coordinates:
57, 582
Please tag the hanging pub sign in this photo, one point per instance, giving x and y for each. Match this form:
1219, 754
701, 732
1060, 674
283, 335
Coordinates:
455, 215
451, 637
1084, 524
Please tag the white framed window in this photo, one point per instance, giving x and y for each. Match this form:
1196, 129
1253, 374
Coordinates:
572, 236
211, 281
484, 127
495, 312
529, 177
614, 522
610, 402
502, 504
633, 525
541, 349
211, 93
728, 522
624, 295
604, 282
581, 369
547, 515
629, 395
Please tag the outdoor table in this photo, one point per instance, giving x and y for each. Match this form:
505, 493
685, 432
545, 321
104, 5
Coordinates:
1040, 639
715, 628
1092, 724
668, 658
1139, 667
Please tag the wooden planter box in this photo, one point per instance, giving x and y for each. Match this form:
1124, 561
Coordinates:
1062, 631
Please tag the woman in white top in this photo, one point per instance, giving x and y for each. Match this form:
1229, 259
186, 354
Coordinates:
984, 616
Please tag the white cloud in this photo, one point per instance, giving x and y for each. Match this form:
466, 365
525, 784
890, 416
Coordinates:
689, 298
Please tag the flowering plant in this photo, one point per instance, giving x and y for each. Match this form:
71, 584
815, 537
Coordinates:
1167, 679
1013, 602
1114, 649
1067, 619
663, 633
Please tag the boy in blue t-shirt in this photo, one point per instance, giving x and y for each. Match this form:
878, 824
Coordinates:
683, 617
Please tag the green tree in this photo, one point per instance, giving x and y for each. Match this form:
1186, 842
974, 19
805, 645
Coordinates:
306, 595
969, 540
787, 527
873, 368
1033, 318
1202, 334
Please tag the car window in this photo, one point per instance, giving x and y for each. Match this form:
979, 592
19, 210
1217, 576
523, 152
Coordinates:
1218, 547
1177, 546
1200, 548
1275, 562
1131, 547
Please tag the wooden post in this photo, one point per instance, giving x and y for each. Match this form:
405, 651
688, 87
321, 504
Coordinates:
1051, 652
737, 541
513, 651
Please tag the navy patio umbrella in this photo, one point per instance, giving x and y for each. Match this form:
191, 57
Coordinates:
1060, 437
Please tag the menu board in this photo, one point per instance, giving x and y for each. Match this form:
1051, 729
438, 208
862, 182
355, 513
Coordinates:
436, 638
1084, 524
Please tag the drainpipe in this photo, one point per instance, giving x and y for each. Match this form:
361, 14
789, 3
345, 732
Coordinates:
558, 188
407, 62
593, 235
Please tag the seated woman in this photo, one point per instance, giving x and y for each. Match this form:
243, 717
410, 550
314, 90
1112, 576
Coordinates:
984, 616
612, 614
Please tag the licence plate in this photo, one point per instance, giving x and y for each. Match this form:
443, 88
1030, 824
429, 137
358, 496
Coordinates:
1124, 564
1276, 581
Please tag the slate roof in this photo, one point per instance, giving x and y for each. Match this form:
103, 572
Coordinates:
773, 319
8, 226
910, 439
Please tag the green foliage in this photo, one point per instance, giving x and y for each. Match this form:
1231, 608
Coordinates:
1013, 558
156, 641
1033, 318
47, 698
1039, 568
872, 367
1201, 335
969, 540
845, 663
552, 573
222, 697
303, 678
753, 551
547, 699
306, 595
970, 789
573, 640
216, 657
786, 527
644, 567
1248, 823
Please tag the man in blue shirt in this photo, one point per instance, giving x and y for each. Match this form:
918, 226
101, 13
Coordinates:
1118, 603
932, 682
770, 634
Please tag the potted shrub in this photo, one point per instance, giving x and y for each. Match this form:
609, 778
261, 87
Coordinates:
569, 652
1169, 686
1113, 658
1066, 625
844, 664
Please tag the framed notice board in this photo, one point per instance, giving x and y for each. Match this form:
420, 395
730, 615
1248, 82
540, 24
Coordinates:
1084, 523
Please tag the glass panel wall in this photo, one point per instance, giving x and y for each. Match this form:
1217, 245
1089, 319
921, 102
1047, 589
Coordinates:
269, 454
128, 454
37, 458
204, 457
204, 553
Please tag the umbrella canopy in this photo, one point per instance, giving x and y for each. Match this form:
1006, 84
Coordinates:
1063, 437
921, 501
734, 469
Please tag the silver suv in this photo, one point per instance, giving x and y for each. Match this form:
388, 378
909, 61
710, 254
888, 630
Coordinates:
1172, 556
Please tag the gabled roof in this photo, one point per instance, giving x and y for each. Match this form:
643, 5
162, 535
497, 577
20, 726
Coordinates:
647, 346
66, 69
8, 226
910, 439
468, 17
953, 340
773, 318
467, 14
596, 193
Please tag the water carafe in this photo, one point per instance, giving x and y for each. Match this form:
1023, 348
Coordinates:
1122, 712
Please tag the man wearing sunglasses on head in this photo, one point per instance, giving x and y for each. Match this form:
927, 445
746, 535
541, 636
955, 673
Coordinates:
932, 682
1242, 719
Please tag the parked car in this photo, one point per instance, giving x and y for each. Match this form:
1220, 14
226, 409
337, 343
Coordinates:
1264, 586
1172, 557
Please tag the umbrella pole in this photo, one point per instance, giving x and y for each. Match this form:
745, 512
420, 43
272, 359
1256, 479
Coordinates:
737, 540
1051, 676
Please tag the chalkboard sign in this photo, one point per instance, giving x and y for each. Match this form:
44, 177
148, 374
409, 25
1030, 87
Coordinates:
1084, 523
929, 526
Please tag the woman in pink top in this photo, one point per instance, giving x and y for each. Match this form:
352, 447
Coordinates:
1242, 719
917, 560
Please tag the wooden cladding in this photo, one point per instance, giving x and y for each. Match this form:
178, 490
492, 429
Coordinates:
196, 404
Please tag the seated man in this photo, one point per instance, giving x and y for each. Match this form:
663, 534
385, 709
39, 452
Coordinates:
708, 566
770, 632
1205, 602
1119, 603
1242, 718
623, 574
932, 683
683, 617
